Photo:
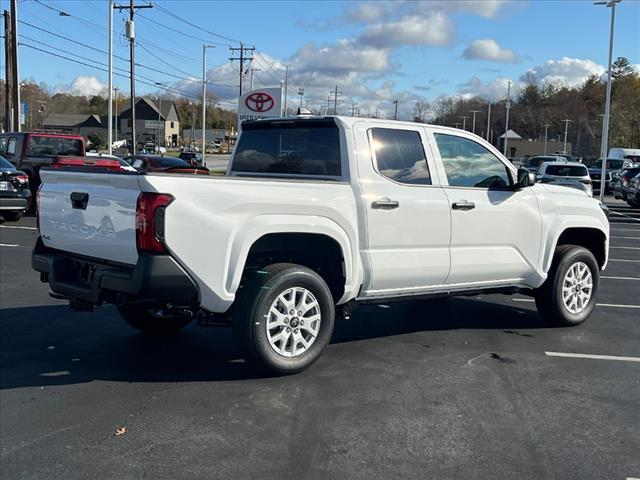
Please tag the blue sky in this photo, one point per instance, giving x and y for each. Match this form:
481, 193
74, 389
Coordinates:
374, 51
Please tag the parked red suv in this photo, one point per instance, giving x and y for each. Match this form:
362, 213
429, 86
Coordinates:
29, 152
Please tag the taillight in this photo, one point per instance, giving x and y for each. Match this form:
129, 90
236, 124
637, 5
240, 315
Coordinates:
38, 207
107, 163
22, 179
150, 221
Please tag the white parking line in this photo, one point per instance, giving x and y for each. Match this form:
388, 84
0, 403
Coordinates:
595, 357
627, 238
625, 229
8, 245
19, 228
623, 260
621, 278
626, 248
623, 215
614, 305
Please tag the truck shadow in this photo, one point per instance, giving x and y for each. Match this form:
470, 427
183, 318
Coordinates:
51, 346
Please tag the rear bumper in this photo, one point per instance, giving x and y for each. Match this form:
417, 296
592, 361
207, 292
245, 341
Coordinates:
155, 278
13, 203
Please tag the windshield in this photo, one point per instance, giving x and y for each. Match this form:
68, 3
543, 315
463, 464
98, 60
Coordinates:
567, 170
169, 162
42, 146
614, 164
536, 161
289, 148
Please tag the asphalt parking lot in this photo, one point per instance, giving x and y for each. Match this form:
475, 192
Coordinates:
464, 388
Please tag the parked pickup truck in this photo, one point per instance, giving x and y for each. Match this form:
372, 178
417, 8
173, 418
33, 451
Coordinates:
29, 152
315, 216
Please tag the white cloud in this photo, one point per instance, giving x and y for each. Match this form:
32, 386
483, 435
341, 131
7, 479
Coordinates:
489, 49
492, 90
431, 29
342, 58
566, 71
636, 68
85, 86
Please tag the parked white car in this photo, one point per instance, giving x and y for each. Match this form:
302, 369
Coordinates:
315, 216
567, 174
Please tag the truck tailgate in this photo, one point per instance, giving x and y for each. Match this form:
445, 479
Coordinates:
92, 214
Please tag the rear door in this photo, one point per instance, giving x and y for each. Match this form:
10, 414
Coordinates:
495, 230
406, 210
92, 214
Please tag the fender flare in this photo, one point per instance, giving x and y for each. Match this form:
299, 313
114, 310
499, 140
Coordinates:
560, 226
244, 238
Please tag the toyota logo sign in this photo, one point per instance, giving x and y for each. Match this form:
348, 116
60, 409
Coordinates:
259, 102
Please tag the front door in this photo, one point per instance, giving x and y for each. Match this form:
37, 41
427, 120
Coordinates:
495, 229
406, 210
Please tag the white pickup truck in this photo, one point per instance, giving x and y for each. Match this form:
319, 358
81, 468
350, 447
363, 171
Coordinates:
314, 216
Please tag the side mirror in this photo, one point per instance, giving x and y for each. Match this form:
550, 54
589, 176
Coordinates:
525, 178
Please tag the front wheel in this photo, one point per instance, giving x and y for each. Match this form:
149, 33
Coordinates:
284, 318
568, 296
152, 321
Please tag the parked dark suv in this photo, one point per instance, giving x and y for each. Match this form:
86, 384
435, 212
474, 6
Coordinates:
14, 191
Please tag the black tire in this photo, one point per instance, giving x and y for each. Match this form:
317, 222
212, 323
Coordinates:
549, 298
253, 303
12, 216
142, 318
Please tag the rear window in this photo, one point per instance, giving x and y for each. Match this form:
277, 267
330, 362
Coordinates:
567, 170
169, 162
41, 146
289, 148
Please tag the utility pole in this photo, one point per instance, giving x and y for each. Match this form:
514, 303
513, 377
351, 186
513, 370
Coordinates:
473, 128
546, 130
132, 75
14, 65
488, 121
110, 82
464, 122
116, 125
506, 123
566, 130
335, 93
242, 49
354, 107
8, 61
286, 87
395, 110
204, 97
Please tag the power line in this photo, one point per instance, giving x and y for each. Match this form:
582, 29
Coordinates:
171, 14
155, 84
200, 39
162, 72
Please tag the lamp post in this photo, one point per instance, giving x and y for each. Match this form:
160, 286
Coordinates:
473, 128
506, 122
566, 130
204, 98
607, 106
546, 130
464, 122
301, 93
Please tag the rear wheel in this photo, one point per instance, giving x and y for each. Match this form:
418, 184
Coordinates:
12, 216
284, 318
152, 321
568, 296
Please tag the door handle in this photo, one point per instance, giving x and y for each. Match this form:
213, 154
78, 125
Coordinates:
463, 205
385, 204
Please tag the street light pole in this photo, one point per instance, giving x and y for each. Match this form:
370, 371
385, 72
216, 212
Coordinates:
204, 98
488, 121
473, 128
607, 106
110, 87
464, 122
566, 130
116, 123
546, 130
506, 123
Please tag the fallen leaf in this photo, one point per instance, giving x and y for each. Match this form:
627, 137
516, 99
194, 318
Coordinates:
120, 431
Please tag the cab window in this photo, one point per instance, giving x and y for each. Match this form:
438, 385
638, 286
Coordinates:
399, 156
469, 164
